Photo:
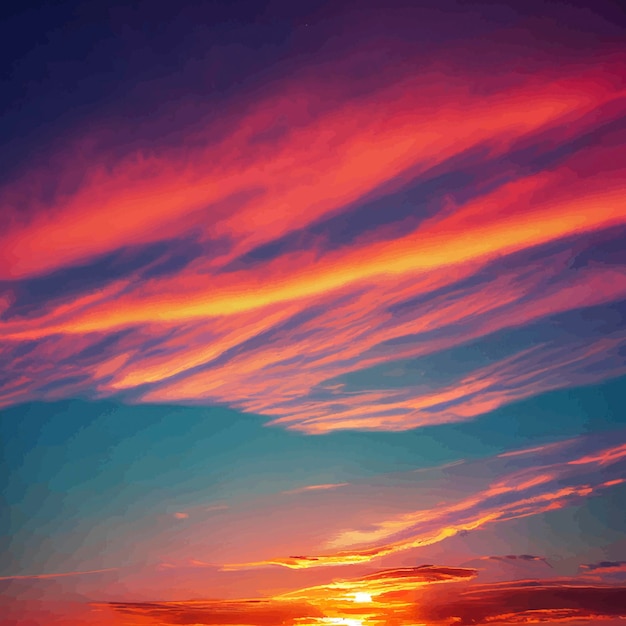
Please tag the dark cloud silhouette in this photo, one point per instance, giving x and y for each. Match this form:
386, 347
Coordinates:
527, 602
517, 558
605, 567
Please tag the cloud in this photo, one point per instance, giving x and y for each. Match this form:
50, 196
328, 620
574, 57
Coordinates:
311, 236
393, 229
219, 186
605, 567
308, 488
401, 596
386, 590
216, 507
517, 558
60, 575
543, 482
533, 450
528, 602
604, 457
233, 612
458, 239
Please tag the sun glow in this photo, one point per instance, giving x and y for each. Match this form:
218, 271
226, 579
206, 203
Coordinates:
362, 596
344, 621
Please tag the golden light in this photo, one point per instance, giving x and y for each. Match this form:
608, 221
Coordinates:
362, 596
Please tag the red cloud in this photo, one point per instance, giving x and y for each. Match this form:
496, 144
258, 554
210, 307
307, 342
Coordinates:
247, 190
532, 602
271, 336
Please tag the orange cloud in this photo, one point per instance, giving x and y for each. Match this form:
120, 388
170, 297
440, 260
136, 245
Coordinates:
605, 457
400, 597
323, 354
533, 450
233, 612
456, 240
383, 585
61, 575
388, 592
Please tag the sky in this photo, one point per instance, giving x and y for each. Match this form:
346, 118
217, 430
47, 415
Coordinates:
312, 313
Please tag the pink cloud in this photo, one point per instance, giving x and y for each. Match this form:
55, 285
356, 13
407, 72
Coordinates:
553, 484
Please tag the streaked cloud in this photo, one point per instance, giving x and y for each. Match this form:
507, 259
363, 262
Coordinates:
542, 483
272, 275
238, 612
396, 596
605, 567
529, 602
307, 488
372, 597
304, 220
58, 575
519, 558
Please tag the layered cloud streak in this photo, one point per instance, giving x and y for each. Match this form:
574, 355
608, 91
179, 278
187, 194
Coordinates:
275, 267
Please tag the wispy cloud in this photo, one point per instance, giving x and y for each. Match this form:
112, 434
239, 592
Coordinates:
541, 485
235, 612
268, 275
390, 596
519, 558
308, 488
58, 575
374, 596
385, 219
528, 602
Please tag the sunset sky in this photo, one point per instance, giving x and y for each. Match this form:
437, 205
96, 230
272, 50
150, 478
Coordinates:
312, 313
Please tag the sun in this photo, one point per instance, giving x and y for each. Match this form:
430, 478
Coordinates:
362, 596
